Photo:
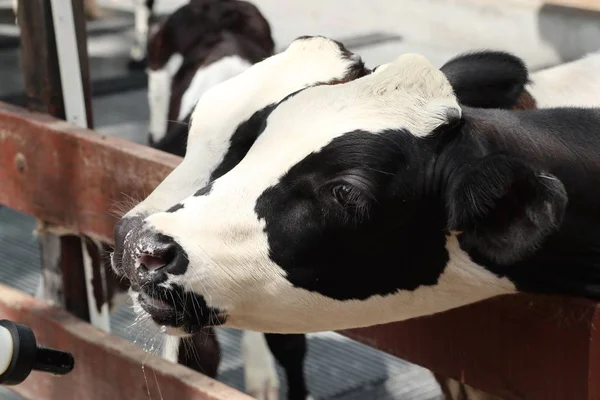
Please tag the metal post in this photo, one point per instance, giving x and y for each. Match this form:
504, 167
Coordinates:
55, 66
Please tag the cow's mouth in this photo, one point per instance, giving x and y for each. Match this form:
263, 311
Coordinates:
181, 312
160, 311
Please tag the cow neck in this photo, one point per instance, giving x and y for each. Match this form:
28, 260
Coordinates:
565, 143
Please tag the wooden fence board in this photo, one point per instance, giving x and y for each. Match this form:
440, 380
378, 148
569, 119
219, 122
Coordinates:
72, 177
106, 367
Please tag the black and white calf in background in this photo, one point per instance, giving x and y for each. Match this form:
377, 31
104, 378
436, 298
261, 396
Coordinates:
200, 45
447, 205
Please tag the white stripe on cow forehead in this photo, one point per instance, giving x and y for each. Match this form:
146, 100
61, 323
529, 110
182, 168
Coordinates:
311, 119
227, 106
305, 62
409, 94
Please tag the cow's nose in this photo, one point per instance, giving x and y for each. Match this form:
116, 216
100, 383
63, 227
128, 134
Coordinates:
159, 255
123, 228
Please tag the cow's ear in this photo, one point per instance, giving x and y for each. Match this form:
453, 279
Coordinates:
504, 208
487, 79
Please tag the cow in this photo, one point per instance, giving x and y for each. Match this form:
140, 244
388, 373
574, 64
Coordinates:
447, 205
220, 40
168, 132
199, 45
335, 64
227, 157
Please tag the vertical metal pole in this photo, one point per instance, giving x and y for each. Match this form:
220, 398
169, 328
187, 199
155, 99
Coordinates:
56, 72
68, 62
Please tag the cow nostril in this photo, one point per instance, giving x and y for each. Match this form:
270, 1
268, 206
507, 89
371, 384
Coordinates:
162, 254
158, 260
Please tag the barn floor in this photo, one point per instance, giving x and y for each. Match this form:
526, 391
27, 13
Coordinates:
337, 368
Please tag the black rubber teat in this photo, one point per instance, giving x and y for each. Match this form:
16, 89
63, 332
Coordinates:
28, 356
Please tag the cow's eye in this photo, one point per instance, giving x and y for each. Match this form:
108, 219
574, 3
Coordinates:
342, 193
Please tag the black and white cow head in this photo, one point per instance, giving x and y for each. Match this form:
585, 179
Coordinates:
226, 122
338, 215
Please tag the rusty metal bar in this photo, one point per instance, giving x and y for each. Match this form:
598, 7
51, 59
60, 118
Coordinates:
71, 277
525, 346
39, 60
72, 177
106, 367
63, 281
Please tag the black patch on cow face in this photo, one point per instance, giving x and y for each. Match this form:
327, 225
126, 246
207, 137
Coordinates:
354, 219
204, 191
176, 207
243, 138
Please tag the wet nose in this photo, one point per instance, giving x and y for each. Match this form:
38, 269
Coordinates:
124, 227
160, 255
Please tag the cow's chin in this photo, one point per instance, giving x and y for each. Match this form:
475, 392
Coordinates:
162, 314
180, 318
